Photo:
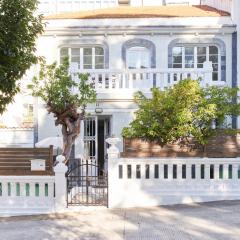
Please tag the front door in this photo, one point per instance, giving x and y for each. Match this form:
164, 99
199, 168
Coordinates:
87, 178
96, 130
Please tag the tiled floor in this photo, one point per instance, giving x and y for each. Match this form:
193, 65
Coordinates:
209, 221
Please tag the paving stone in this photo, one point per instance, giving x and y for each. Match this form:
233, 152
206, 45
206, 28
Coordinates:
210, 221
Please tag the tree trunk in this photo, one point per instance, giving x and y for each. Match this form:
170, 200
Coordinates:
205, 150
70, 131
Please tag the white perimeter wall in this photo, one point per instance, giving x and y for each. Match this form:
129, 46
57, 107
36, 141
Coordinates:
152, 189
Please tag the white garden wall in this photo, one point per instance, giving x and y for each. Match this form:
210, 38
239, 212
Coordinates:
28, 195
141, 182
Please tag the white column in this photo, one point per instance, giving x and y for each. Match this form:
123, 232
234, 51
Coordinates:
113, 156
60, 184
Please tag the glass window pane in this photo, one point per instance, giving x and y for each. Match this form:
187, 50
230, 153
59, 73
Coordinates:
201, 59
75, 51
215, 67
64, 52
215, 76
213, 58
189, 61
87, 51
99, 51
75, 60
177, 65
87, 59
189, 51
177, 51
99, 66
85, 66
177, 59
201, 50
213, 50
99, 60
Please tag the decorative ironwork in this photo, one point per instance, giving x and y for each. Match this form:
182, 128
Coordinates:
87, 185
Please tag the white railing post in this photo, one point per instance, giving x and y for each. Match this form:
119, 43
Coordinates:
60, 184
208, 69
113, 155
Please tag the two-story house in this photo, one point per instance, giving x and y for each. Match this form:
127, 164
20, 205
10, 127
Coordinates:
127, 46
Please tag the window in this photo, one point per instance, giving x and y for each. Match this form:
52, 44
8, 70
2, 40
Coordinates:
138, 58
194, 56
177, 57
28, 114
189, 57
84, 57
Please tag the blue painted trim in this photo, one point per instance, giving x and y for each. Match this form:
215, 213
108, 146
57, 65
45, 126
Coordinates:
234, 71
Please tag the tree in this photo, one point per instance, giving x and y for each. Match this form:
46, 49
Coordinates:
66, 97
182, 112
19, 28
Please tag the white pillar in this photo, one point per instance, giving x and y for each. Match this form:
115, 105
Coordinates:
60, 184
113, 155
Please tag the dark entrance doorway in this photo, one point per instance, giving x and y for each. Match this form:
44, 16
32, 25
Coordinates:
87, 178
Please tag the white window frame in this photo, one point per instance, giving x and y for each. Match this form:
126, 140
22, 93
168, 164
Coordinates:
195, 56
81, 55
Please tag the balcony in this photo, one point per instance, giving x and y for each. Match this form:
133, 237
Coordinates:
122, 83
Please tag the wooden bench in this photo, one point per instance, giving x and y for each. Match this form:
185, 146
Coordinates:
16, 161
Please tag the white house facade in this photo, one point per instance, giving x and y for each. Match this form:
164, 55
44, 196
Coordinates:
126, 49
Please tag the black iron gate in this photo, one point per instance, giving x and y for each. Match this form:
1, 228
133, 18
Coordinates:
86, 184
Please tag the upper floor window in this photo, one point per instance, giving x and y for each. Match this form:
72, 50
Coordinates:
138, 57
194, 56
84, 57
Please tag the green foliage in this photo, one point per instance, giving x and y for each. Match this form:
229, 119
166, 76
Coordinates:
60, 91
19, 28
186, 110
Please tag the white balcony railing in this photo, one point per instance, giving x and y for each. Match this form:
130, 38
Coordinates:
133, 80
47, 7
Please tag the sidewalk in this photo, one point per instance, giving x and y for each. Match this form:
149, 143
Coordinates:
210, 221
